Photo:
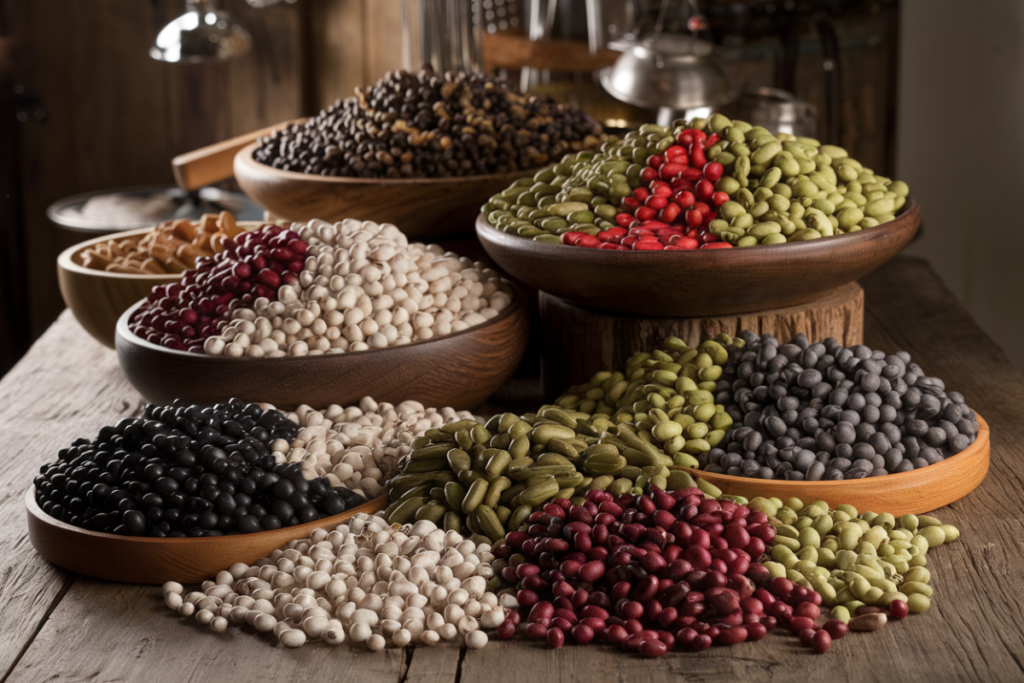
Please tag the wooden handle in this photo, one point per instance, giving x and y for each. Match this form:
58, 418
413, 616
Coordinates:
214, 163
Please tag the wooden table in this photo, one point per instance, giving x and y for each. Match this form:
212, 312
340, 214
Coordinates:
55, 625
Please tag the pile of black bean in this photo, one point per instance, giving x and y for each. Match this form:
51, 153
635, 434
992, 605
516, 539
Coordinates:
822, 411
186, 470
431, 125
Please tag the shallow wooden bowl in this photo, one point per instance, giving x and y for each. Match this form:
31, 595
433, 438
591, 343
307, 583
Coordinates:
132, 559
98, 298
420, 207
914, 492
688, 284
458, 370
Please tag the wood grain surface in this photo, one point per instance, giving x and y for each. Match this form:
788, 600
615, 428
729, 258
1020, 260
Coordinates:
460, 369
612, 338
59, 626
422, 208
688, 284
132, 559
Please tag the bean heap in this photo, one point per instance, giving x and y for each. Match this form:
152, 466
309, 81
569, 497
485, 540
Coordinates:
364, 581
702, 184
489, 478
358, 447
430, 125
182, 315
822, 411
170, 247
859, 563
363, 286
667, 393
186, 471
649, 573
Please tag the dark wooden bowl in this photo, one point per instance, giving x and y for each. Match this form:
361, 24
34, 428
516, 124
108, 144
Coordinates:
687, 284
914, 492
459, 370
420, 207
136, 559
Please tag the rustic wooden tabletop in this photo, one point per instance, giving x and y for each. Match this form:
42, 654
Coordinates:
59, 626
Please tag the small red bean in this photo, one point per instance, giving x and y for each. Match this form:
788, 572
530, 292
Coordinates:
807, 636
822, 642
836, 628
732, 636
555, 638
536, 631
898, 609
653, 648
582, 634
797, 624
807, 609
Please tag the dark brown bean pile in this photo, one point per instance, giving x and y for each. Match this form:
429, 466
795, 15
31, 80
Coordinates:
431, 125
822, 411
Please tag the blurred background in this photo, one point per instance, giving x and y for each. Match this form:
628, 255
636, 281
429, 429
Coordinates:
95, 97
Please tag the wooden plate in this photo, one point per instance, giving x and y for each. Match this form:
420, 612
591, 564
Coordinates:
914, 492
687, 284
459, 370
131, 559
98, 298
420, 207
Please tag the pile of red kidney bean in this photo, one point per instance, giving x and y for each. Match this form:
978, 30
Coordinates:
674, 210
181, 315
654, 573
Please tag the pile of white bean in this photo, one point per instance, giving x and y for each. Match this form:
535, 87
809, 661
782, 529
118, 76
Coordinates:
364, 581
358, 447
364, 286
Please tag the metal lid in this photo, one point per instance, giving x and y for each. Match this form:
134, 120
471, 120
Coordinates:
667, 70
106, 211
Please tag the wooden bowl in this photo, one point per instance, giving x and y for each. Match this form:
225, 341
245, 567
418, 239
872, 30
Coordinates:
137, 559
914, 492
458, 370
687, 284
97, 298
420, 207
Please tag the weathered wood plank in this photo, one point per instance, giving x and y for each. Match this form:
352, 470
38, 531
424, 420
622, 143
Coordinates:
110, 632
69, 386
66, 386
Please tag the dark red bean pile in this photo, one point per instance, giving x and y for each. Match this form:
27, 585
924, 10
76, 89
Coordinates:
431, 125
650, 574
805, 411
186, 470
181, 315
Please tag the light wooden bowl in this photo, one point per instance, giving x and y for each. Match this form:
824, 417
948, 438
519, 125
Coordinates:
914, 492
131, 559
687, 284
458, 370
97, 298
422, 208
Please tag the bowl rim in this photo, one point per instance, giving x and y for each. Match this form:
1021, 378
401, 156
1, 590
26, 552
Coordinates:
66, 258
33, 509
489, 233
982, 441
122, 331
244, 158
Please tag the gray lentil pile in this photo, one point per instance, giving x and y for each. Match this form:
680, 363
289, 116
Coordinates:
822, 411
431, 125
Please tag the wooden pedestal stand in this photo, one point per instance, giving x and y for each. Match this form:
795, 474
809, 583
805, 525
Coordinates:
579, 342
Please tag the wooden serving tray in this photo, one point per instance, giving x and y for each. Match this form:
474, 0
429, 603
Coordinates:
137, 559
914, 492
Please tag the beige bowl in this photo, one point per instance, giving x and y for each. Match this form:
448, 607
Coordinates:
98, 298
